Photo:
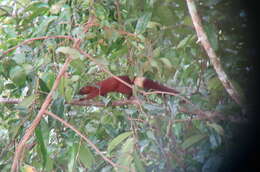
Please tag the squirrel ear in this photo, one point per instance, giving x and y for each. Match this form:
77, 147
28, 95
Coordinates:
139, 81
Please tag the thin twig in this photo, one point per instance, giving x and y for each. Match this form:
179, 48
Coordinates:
86, 139
117, 4
101, 104
10, 100
169, 93
28, 41
103, 67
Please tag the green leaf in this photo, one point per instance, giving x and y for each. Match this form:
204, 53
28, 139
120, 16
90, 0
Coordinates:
213, 164
90, 35
48, 78
101, 12
187, 21
27, 101
72, 157
184, 42
55, 8
107, 119
152, 24
36, 6
57, 106
215, 140
5, 10
155, 64
62, 86
75, 78
214, 84
154, 109
111, 35
72, 52
68, 94
138, 163
49, 164
43, 86
1, 86
166, 62
142, 23
116, 141
28, 68
19, 58
78, 66
126, 154
18, 75
86, 157
192, 140
216, 127
43, 27
10, 32
211, 32
43, 151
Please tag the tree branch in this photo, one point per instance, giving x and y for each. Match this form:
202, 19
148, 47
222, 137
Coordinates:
102, 67
28, 41
86, 139
10, 100
202, 37
36, 121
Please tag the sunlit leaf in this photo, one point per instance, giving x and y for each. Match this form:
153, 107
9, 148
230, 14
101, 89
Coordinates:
19, 58
72, 156
154, 109
28, 168
101, 12
184, 42
73, 53
166, 62
55, 8
27, 101
43, 27
78, 66
62, 86
126, 154
138, 163
193, 140
142, 23
152, 24
216, 127
86, 157
119, 139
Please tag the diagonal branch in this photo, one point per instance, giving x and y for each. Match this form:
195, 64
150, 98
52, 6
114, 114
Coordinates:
46, 103
36, 121
86, 139
103, 67
28, 41
202, 37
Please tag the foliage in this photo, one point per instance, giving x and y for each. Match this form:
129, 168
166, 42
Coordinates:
163, 46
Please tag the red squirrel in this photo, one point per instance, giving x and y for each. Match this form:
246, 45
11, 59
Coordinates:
113, 85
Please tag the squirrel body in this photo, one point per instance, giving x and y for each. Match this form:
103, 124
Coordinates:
111, 84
